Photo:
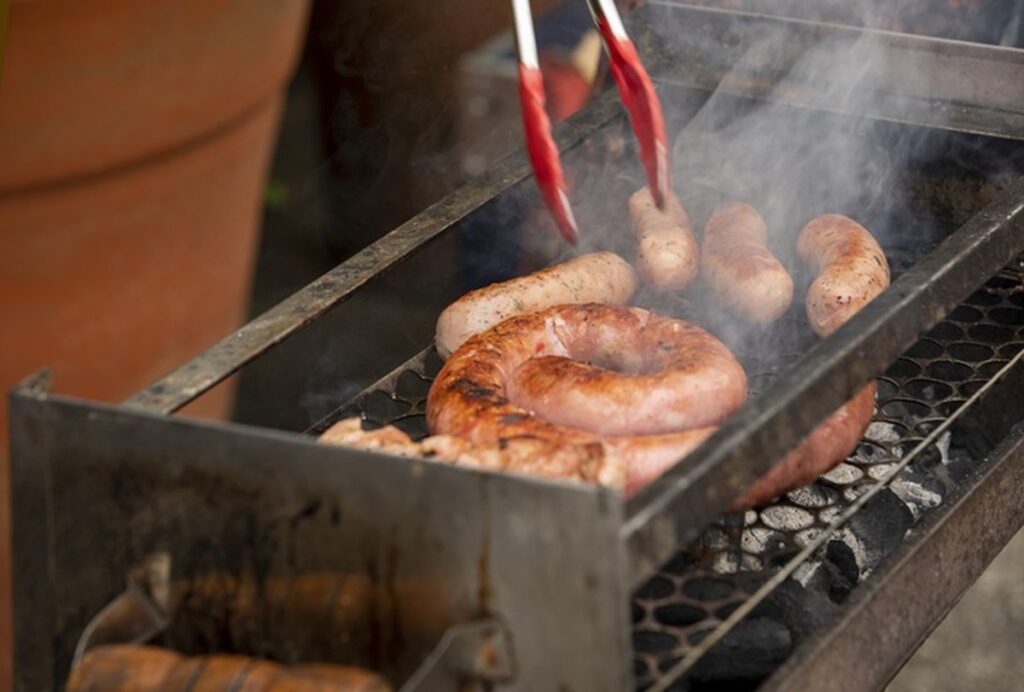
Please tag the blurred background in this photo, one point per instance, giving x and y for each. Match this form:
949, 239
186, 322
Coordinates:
170, 169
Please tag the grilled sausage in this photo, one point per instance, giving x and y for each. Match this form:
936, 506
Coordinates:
620, 372
131, 668
601, 277
666, 251
588, 461
851, 268
469, 398
736, 263
828, 445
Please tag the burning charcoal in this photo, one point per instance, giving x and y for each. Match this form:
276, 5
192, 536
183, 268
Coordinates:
799, 608
877, 530
814, 496
842, 567
759, 540
750, 652
707, 590
786, 518
918, 491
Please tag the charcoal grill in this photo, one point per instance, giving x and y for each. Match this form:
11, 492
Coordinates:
590, 591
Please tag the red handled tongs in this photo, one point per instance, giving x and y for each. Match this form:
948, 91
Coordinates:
635, 89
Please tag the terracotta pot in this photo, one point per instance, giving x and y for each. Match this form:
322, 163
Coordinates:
135, 139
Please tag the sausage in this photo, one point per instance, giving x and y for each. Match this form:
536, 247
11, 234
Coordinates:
741, 271
601, 277
623, 463
851, 270
469, 398
827, 445
648, 456
588, 462
666, 251
133, 668
619, 371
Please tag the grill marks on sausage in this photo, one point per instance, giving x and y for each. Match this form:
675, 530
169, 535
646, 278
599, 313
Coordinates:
604, 366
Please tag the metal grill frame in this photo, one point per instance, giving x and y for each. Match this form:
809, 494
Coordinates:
55, 440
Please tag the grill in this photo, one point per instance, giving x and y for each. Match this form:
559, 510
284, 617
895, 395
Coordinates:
585, 589
703, 585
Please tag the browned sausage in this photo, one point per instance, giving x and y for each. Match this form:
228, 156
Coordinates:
666, 251
743, 274
851, 268
601, 277
589, 462
132, 668
828, 445
469, 398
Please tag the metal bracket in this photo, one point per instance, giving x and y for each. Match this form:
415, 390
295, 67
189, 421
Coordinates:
478, 651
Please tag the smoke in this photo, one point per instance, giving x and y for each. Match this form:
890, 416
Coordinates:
792, 129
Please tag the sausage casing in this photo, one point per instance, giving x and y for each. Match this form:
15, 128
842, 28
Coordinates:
736, 263
600, 277
851, 269
667, 256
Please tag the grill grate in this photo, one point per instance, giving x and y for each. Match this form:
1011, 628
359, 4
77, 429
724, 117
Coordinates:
702, 585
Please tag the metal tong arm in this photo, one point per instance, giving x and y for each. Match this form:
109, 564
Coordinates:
638, 95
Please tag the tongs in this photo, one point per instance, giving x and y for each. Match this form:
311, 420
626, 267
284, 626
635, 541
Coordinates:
635, 89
